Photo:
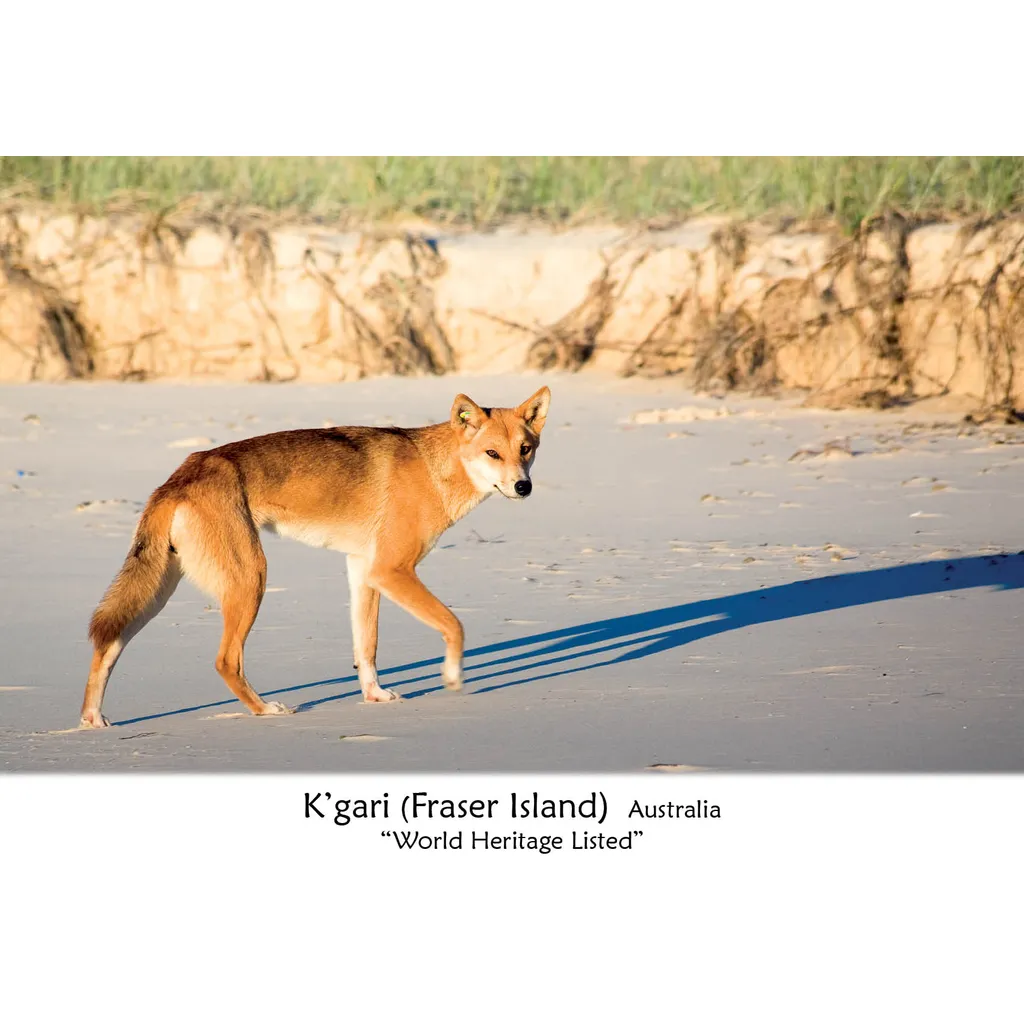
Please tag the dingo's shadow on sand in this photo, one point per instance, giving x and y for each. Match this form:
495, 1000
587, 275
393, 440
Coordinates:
627, 638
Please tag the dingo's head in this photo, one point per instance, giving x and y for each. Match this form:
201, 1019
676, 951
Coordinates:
497, 446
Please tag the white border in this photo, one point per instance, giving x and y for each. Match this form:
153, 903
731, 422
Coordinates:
455, 77
811, 898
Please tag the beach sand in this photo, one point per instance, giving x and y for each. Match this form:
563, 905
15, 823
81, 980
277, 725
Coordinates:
696, 584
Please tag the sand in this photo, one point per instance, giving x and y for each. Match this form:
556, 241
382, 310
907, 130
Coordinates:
695, 585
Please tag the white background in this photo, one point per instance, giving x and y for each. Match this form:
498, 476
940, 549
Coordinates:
811, 898
818, 899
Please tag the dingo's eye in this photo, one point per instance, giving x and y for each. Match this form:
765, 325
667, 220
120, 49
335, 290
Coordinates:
525, 450
493, 454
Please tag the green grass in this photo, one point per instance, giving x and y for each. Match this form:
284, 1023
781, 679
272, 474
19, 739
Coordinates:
486, 190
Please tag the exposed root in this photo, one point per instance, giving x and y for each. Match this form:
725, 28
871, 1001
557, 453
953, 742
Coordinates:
853, 304
60, 332
405, 336
570, 343
733, 354
415, 341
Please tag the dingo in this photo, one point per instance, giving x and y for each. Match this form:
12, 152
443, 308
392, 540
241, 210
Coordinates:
382, 495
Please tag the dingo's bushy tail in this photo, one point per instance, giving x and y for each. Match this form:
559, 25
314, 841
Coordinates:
142, 577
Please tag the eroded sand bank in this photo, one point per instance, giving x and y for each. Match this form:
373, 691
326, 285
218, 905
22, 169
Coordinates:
900, 310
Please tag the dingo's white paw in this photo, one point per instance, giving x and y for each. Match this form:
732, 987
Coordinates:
275, 707
378, 695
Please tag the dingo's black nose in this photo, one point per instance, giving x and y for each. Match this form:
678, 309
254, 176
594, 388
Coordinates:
523, 488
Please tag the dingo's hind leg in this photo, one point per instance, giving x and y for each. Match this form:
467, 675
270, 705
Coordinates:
107, 648
103, 660
221, 553
239, 609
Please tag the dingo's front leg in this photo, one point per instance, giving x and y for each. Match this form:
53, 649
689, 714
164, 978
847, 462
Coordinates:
406, 589
365, 612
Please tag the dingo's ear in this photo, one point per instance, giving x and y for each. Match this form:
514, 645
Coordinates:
467, 415
535, 410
